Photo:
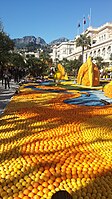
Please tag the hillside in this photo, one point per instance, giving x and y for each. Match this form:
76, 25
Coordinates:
32, 41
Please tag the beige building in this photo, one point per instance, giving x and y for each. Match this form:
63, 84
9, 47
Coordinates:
101, 45
62, 50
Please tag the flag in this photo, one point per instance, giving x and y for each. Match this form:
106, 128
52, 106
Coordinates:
84, 20
78, 25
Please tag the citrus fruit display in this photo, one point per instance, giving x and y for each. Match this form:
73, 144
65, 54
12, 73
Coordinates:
88, 74
47, 145
108, 89
60, 74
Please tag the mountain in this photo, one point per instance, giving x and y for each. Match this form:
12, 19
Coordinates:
58, 41
41, 41
29, 40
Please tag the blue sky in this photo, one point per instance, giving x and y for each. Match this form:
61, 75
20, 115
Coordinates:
52, 19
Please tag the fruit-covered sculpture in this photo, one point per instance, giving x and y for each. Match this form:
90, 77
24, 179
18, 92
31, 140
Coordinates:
60, 74
88, 74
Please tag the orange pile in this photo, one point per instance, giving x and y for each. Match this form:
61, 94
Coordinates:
47, 145
108, 90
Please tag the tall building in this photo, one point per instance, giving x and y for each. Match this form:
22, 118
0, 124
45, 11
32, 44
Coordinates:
101, 45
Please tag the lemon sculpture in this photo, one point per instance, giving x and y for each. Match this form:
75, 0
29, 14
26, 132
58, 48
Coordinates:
88, 74
108, 90
60, 74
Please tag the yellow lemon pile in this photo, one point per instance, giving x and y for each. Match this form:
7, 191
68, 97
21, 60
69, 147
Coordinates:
47, 146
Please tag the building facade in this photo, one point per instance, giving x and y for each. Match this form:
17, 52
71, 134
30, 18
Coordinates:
101, 45
62, 50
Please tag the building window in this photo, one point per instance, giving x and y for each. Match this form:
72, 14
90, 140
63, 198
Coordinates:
109, 50
64, 51
103, 52
91, 54
94, 54
104, 36
70, 50
98, 53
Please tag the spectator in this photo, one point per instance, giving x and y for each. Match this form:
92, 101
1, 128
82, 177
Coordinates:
1, 75
7, 79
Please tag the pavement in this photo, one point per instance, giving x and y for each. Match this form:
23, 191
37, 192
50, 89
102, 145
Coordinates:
6, 94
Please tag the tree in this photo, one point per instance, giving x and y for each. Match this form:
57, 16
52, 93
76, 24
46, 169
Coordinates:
6, 46
36, 67
17, 60
99, 62
1, 26
83, 41
32, 47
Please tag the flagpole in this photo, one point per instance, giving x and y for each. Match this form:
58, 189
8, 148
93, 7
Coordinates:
78, 26
83, 27
84, 22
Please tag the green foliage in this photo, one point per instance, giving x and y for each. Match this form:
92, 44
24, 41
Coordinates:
71, 66
6, 46
99, 62
1, 26
32, 47
17, 60
83, 41
36, 67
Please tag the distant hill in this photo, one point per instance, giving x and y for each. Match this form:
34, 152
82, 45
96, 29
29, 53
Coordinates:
58, 41
31, 42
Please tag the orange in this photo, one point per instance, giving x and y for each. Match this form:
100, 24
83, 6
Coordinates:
58, 180
26, 197
40, 187
51, 187
36, 197
45, 190
35, 184
40, 193
26, 192
50, 181
45, 184
21, 195
31, 194
35, 190
30, 187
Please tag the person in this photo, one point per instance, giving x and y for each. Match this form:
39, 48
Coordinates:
1, 75
7, 79
62, 194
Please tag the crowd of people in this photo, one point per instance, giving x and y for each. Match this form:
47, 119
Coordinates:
7, 74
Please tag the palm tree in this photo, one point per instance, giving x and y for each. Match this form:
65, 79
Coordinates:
99, 61
83, 41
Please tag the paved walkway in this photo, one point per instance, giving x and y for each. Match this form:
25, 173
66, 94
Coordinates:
6, 94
